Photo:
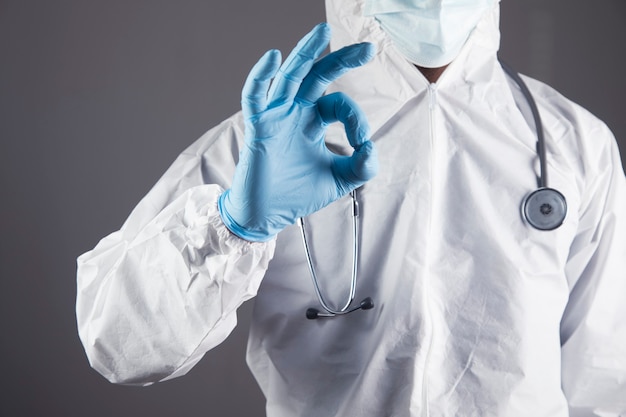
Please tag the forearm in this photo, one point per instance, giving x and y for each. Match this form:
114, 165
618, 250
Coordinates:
149, 306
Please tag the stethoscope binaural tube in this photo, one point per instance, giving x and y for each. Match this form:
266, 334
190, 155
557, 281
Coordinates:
544, 208
367, 303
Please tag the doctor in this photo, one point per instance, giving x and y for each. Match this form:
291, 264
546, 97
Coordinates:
475, 312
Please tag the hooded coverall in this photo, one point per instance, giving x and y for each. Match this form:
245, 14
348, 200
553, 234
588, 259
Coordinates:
477, 313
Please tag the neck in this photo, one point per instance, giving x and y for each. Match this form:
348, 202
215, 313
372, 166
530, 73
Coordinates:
432, 74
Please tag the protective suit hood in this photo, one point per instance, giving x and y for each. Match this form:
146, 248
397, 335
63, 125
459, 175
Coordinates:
402, 80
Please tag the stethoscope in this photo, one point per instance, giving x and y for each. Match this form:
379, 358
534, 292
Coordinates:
544, 209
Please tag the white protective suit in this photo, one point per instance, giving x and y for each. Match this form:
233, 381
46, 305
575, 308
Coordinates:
477, 313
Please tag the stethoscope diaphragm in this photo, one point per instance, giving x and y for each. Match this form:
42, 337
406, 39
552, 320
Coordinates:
545, 208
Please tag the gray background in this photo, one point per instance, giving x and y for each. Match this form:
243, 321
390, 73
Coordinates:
97, 98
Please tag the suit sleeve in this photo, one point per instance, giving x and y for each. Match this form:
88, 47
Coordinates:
155, 296
593, 328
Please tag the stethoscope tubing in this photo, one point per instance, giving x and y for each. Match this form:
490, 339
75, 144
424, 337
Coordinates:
541, 142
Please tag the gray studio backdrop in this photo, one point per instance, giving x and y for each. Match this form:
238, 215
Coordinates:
97, 98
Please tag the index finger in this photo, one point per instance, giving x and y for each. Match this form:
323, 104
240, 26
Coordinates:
340, 107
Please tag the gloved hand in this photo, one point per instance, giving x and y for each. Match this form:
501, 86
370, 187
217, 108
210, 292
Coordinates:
285, 170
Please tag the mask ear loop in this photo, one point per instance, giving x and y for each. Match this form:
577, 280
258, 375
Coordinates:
544, 208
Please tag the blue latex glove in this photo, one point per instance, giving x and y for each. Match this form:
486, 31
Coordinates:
285, 170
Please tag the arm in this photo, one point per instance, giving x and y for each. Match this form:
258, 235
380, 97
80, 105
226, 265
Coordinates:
593, 329
155, 296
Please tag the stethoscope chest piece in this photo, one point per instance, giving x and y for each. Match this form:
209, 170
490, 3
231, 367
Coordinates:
545, 209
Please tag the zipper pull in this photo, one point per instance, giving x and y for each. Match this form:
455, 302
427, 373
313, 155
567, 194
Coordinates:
432, 95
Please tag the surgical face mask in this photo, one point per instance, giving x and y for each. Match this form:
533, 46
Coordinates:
429, 33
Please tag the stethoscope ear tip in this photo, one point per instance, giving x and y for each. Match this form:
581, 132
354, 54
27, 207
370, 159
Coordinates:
367, 303
312, 313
